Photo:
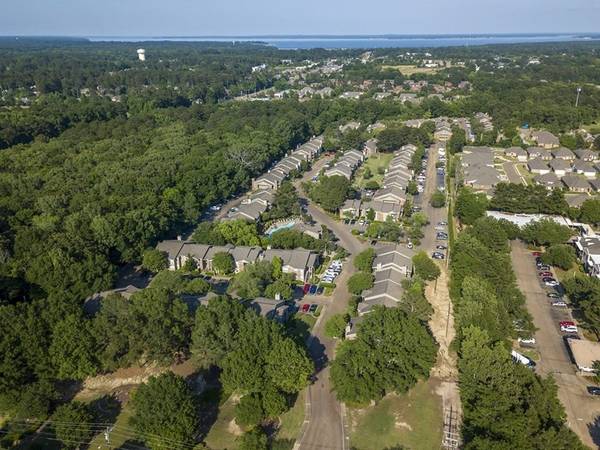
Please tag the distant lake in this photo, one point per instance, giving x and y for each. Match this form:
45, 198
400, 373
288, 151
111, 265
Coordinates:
341, 42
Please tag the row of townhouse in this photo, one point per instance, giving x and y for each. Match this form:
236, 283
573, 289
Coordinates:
274, 177
392, 265
560, 167
346, 164
299, 262
390, 199
588, 250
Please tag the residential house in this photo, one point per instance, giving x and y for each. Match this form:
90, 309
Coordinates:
352, 327
539, 153
483, 178
263, 197
563, 153
588, 249
351, 95
385, 210
548, 180
247, 211
545, 139
443, 133
312, 230
393, 257
538, 166
595, 183
390, 195
299, 262
351, 209
575, 183
340, 170
584, 168
271, 180
376, 127
587, 155
560, 167
172, 250
517, 152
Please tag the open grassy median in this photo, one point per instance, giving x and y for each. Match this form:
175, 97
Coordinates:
413, 420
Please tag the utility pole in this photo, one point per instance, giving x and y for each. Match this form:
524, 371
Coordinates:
577, 99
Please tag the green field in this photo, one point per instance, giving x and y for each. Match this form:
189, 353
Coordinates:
413, 420
373, 163
220, 436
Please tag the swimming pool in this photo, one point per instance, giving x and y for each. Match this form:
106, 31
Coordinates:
285, 226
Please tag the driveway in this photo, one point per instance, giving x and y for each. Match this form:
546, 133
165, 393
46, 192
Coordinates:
510, 168
581, 408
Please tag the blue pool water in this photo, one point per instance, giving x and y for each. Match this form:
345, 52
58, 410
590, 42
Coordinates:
280, 227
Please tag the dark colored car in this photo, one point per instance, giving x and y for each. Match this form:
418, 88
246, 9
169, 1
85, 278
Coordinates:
593, 390
313, 308
437, 255
553, 295
320, 290
441, 247
313, 289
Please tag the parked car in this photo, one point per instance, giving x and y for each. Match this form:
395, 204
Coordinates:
440, 228
409, 244
305, 288
441, 223
305, 308
543, 267
567, 326
593, 390
320, 290
313, 289
550, 281
553, 295
441, 236
441, 247
527, 340
545, 274
313, 308
571, 336
437, 255
536, 254
559, 303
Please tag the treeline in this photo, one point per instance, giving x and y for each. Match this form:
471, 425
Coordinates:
505, 404
530, 199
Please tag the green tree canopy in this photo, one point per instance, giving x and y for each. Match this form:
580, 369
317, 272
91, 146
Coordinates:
425, 267
164, 411
359, 282
392, 351
72, 423
154, 260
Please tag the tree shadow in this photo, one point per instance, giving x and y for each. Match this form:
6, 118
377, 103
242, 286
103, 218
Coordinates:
318, 354
106, 408
594, 429
210, 396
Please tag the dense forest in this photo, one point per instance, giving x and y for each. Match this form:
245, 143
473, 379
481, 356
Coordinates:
102, 155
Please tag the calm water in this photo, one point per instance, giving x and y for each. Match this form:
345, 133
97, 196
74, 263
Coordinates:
409, 41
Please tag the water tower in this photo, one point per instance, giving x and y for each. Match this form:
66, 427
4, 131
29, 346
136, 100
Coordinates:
141, 54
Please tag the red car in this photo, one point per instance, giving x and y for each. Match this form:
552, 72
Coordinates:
305, 288
545, 274
536, 254
305, 308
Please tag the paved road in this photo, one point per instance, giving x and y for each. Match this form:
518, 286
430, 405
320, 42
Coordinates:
324, 422
582, 409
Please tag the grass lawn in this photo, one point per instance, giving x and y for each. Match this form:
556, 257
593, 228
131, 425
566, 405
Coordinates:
291, 421
413, 420
299, 326
373, 163
565, 274
220, 437
411, 69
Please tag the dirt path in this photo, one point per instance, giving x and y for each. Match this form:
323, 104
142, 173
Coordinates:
442, 319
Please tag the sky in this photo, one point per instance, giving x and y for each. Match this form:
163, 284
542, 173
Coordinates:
261, 17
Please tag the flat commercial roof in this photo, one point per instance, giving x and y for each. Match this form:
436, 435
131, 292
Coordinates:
585, 353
